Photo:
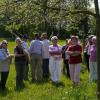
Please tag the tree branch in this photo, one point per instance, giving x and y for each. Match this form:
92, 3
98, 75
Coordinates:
69, 12
74, 11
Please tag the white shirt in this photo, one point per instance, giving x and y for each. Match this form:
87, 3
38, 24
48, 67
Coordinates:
45, 50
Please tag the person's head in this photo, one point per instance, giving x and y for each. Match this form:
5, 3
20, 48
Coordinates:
90, 39
24, 38
36, 36
94, 40
4, 44
54, 40
18, 41
74, 40
44, 35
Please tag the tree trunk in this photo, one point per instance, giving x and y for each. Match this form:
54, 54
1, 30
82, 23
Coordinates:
98, 45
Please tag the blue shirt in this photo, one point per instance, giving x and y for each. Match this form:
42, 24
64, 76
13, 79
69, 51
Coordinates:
4, 61
3, 54
36, 47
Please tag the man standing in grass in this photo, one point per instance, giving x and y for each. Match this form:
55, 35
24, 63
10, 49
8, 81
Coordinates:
36, 58
26, 49
45, 55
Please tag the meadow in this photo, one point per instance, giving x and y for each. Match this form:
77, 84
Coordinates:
46, 90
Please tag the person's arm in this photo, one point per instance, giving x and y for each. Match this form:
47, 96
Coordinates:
78, 51
69, 51
55, 52
3, 57
16, 53
51, 51
31, 47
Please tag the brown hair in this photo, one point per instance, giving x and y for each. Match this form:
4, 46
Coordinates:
3, 42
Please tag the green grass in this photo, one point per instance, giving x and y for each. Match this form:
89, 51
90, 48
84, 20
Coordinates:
46, 90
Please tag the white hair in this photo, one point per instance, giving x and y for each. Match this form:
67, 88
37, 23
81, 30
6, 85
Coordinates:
94, 38
54, 38
18, 39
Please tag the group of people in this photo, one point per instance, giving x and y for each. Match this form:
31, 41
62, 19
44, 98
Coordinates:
45, 59
72, 58
90, 53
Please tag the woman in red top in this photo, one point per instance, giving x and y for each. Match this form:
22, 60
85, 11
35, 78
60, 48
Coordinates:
74, 51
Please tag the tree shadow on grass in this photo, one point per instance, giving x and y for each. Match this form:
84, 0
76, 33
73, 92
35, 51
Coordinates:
41, 82
3, 93
20, 88
58, 84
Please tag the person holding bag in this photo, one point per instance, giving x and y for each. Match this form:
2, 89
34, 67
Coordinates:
5, 61
20, 62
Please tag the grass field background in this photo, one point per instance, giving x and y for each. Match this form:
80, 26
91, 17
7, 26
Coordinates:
46, 90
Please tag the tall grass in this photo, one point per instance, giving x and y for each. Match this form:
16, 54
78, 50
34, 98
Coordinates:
46, 90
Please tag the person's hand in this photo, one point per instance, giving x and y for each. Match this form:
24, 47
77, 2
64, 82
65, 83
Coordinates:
71, 53
11, 55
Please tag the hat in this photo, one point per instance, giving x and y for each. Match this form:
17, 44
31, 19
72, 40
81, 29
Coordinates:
54, 38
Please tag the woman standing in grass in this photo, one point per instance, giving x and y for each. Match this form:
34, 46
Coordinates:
93, 61
65, 57
74, 51
20, 62
65, 61
5, 60
55, 60
86, 50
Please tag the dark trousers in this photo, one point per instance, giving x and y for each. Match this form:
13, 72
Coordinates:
4, 76
26, 69
86, 59
20, 67
66, 67
45, 68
